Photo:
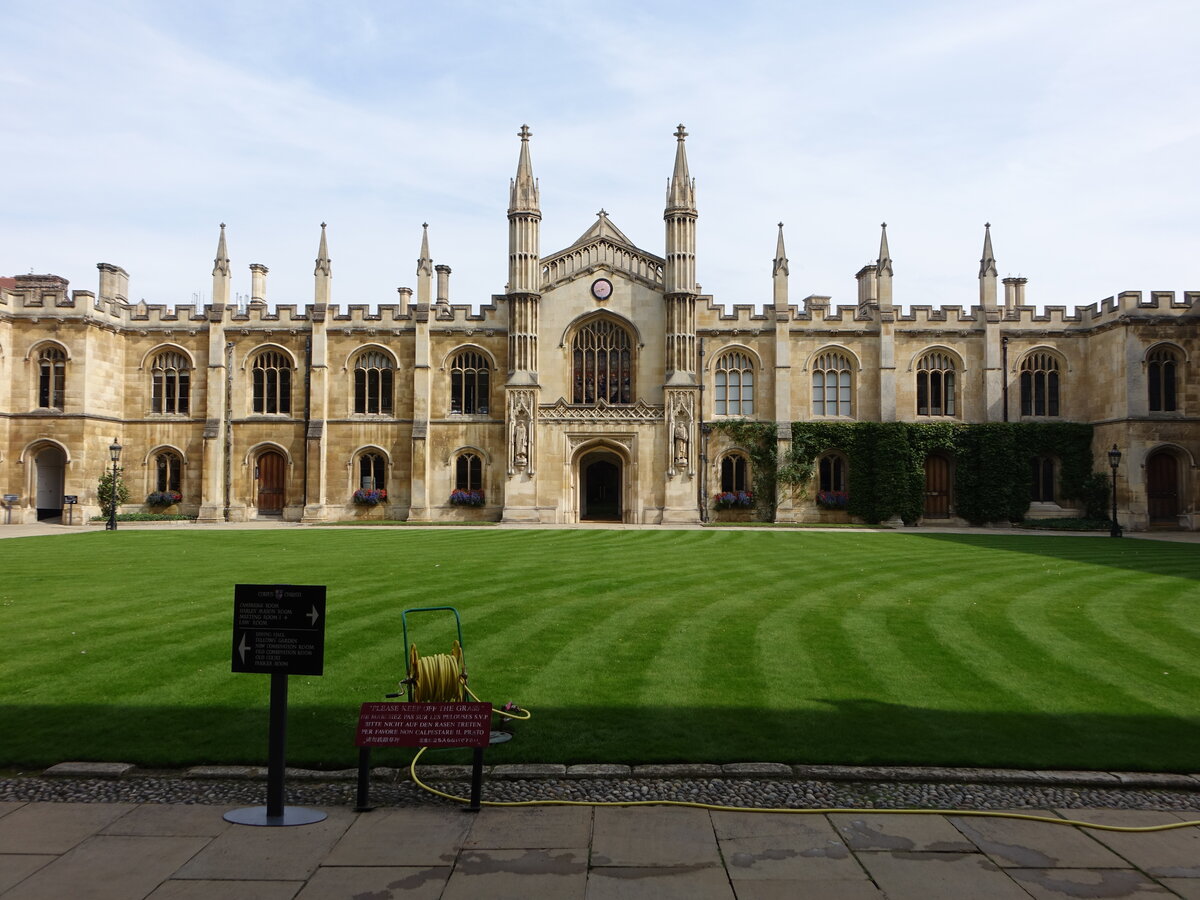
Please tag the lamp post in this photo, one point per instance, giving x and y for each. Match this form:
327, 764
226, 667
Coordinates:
114, 452
1114, 460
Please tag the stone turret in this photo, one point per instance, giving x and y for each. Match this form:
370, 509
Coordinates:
323, 273
883, 271
779, 274
987, 271
424, 270
220, 274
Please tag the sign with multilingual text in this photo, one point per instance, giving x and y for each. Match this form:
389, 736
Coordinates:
279, 629
424, 725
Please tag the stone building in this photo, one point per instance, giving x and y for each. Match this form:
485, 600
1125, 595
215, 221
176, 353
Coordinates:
587, 391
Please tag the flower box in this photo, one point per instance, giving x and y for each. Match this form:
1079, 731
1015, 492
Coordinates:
734, 500
162, 499
466, 498
369, 496
833, 499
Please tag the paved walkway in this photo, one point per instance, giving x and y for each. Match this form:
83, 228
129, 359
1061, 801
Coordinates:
73, 851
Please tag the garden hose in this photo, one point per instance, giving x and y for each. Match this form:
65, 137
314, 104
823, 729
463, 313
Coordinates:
440, 678
1027, 817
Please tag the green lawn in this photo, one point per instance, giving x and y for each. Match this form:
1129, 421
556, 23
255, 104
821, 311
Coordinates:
629, 646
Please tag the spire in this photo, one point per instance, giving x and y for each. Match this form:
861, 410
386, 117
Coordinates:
221, 263
885, 256
681, 190
323, 260
781, 263
323, 274
987, 264
424, 269
523, 190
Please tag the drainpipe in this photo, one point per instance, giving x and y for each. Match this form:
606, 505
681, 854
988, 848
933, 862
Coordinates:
228, 425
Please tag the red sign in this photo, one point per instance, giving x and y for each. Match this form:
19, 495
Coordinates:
424, 725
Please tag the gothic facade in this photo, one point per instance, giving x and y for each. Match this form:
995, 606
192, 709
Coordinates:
587, 391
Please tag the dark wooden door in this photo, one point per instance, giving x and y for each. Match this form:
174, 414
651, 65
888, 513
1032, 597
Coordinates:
937, 487
602, 492
1162, 489
271, 470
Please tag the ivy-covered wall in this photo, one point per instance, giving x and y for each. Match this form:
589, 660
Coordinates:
887, 463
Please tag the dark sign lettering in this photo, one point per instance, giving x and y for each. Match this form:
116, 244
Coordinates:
424, 725
279, 628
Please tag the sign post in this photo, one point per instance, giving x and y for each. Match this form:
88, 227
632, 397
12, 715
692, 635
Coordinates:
278, 630
70, 500
9, 500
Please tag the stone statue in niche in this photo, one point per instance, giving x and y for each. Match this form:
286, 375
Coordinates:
520, 443
681, 444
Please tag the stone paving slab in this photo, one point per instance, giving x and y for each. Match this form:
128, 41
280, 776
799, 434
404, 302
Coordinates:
227, 890
402, 837
653, 836
1016, 843
939, 876
531, 827
884, 831
268, 854
762, 889
108, 868
15, 868
519, 874
171, 819
1160, 854
1054, 884
1187, 888
371, 882
779, 846
89, 770
7, 806
659, 883
55, 827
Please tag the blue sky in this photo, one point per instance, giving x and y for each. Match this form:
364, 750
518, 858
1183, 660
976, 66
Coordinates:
134, 128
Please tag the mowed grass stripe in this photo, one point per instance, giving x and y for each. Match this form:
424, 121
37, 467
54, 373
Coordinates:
630, 645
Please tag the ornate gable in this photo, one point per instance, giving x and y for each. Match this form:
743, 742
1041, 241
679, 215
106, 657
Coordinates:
603, 245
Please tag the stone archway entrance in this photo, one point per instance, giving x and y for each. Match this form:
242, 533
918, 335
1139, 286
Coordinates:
50, 466
1162, 489
600, 477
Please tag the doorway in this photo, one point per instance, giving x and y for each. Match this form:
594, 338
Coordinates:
938, 486
271, 470
50, 466
1162, 489
600, 488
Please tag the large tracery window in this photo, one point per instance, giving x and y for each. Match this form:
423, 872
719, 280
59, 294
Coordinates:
469, 384
935, 385
831, 385
373, 375
1162, 366
52, 377
602, 364
1039, 385
170, 390
734, 385
272, 378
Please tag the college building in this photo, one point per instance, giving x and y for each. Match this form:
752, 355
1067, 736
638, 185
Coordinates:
594, 389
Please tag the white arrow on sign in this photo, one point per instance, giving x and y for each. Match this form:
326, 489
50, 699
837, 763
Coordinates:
242, 648
313, 616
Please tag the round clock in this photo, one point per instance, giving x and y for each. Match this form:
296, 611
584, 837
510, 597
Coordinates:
602, 288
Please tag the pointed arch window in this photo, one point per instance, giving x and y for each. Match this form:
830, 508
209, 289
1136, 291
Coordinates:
52, 377
372, 471
168, 472
1039, 385
602, 364
936, 385
733, 393
1042, 479
831, 385
735, 472
1162, 368
170, 383
468, 472
470, 383
831, 473
272, 383
373, 380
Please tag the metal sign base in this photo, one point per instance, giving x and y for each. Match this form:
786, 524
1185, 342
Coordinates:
292, 815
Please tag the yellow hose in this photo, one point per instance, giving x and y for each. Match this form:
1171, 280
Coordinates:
1028, 817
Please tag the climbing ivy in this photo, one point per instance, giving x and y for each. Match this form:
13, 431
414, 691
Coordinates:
887, 463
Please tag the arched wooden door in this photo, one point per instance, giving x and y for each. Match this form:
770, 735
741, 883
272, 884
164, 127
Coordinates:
271, 471
600, 488
938, 487
1162, 488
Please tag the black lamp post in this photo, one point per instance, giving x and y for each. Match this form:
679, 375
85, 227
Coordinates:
1114, 460
114, 452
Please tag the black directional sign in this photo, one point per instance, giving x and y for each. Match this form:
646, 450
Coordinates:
279, 629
